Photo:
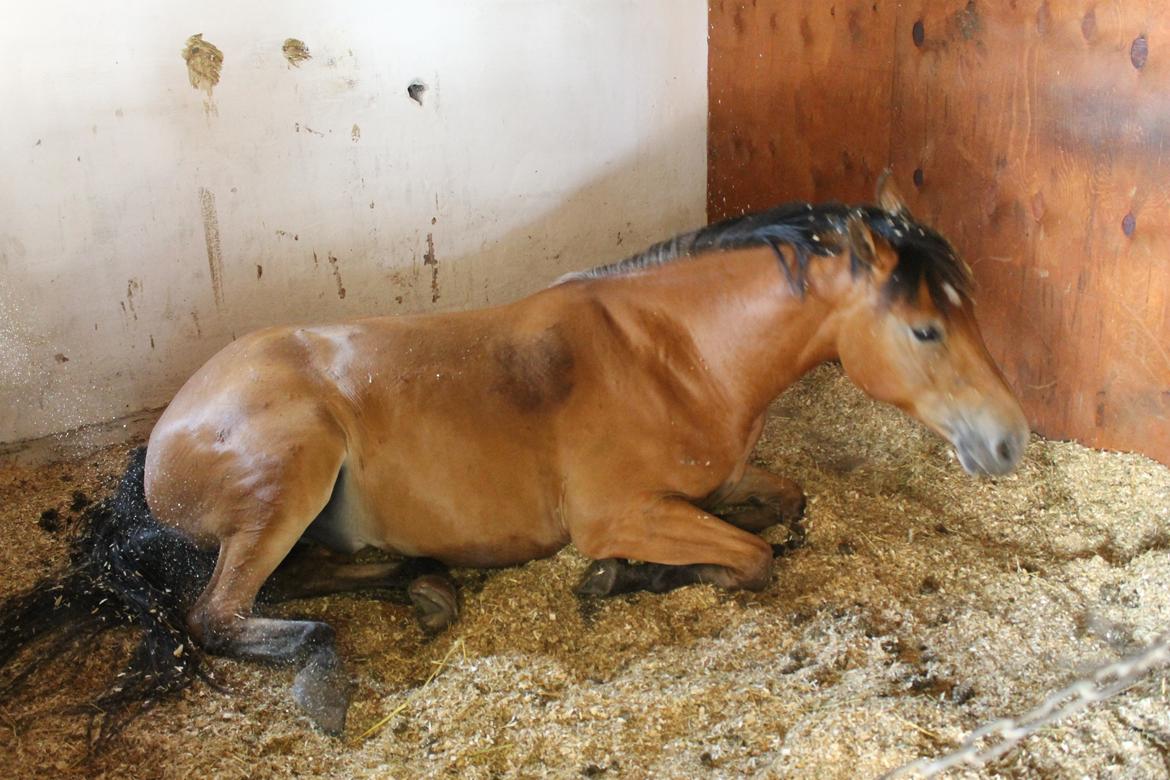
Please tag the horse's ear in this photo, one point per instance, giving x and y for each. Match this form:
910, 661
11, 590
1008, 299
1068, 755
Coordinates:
860, 240
861, 245
888, 196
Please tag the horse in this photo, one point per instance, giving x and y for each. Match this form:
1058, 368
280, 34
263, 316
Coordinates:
615, 410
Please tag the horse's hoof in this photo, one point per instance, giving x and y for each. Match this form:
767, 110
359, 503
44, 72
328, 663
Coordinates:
797, 538
322, 689
600, 578
435, 601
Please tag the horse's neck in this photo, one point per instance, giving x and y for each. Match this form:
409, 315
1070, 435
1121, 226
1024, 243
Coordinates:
752, 331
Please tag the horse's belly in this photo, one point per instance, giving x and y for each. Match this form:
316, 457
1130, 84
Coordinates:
474, 539
484, 522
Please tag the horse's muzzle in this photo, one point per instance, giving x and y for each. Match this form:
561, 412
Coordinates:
986, 448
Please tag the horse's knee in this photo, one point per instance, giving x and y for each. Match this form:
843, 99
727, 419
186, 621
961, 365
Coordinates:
597, 539
756, 572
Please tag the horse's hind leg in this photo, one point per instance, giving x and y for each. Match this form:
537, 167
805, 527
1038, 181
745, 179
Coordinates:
315, 571
261, 509
223, 622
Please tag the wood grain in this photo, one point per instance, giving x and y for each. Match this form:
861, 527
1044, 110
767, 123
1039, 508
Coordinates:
1033, 134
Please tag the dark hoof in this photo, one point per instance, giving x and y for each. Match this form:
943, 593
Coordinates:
797, 538
600, 578
322, 689
435, 601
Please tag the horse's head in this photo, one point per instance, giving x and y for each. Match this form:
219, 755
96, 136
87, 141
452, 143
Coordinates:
908, 337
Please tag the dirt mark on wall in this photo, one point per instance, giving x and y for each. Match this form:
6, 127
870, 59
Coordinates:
430, 259
211, 237
336, 274
204, 61
295, 51
133, 286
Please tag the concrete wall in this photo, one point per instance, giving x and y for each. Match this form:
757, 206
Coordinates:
149, 213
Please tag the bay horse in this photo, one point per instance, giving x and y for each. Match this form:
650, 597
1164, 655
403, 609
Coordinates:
615, 410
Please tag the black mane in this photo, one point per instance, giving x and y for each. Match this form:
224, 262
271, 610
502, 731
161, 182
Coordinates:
817, 231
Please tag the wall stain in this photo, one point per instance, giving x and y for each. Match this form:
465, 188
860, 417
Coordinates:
152, 341
211, 237
967, 21
430, 259
355, 133
11, 247
132, 286
204, 61
259, 271
336, 274
295, 51
60, 358
198, 328
308, 129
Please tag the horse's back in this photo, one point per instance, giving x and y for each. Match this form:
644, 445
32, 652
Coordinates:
441, 424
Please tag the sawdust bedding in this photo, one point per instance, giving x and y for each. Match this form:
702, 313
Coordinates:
924, 604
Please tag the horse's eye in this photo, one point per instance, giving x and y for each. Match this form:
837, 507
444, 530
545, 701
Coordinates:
927, 333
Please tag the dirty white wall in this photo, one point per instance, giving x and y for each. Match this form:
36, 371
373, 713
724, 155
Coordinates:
145, 222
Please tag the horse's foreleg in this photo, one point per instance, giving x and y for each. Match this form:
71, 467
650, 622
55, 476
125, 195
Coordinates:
680, 544
317, 572
761, 500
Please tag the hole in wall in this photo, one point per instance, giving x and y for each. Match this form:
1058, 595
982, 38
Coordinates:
918, 33
415, 90
1139, 51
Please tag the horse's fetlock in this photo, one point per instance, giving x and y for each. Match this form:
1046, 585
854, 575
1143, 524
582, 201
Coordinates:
319, 635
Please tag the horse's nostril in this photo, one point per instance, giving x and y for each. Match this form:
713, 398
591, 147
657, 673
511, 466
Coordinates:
1005, 451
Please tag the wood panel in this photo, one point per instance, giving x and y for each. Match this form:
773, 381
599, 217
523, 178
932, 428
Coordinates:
1033, 134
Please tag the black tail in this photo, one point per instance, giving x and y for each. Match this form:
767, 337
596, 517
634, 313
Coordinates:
125, 569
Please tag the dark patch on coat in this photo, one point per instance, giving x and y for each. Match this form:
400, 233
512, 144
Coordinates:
535, 374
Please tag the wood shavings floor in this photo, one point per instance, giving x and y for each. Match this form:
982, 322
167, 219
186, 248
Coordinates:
925, 604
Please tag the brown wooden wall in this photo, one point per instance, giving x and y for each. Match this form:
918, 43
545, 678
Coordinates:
1035, 135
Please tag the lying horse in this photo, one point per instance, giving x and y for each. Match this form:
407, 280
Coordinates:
615, 410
